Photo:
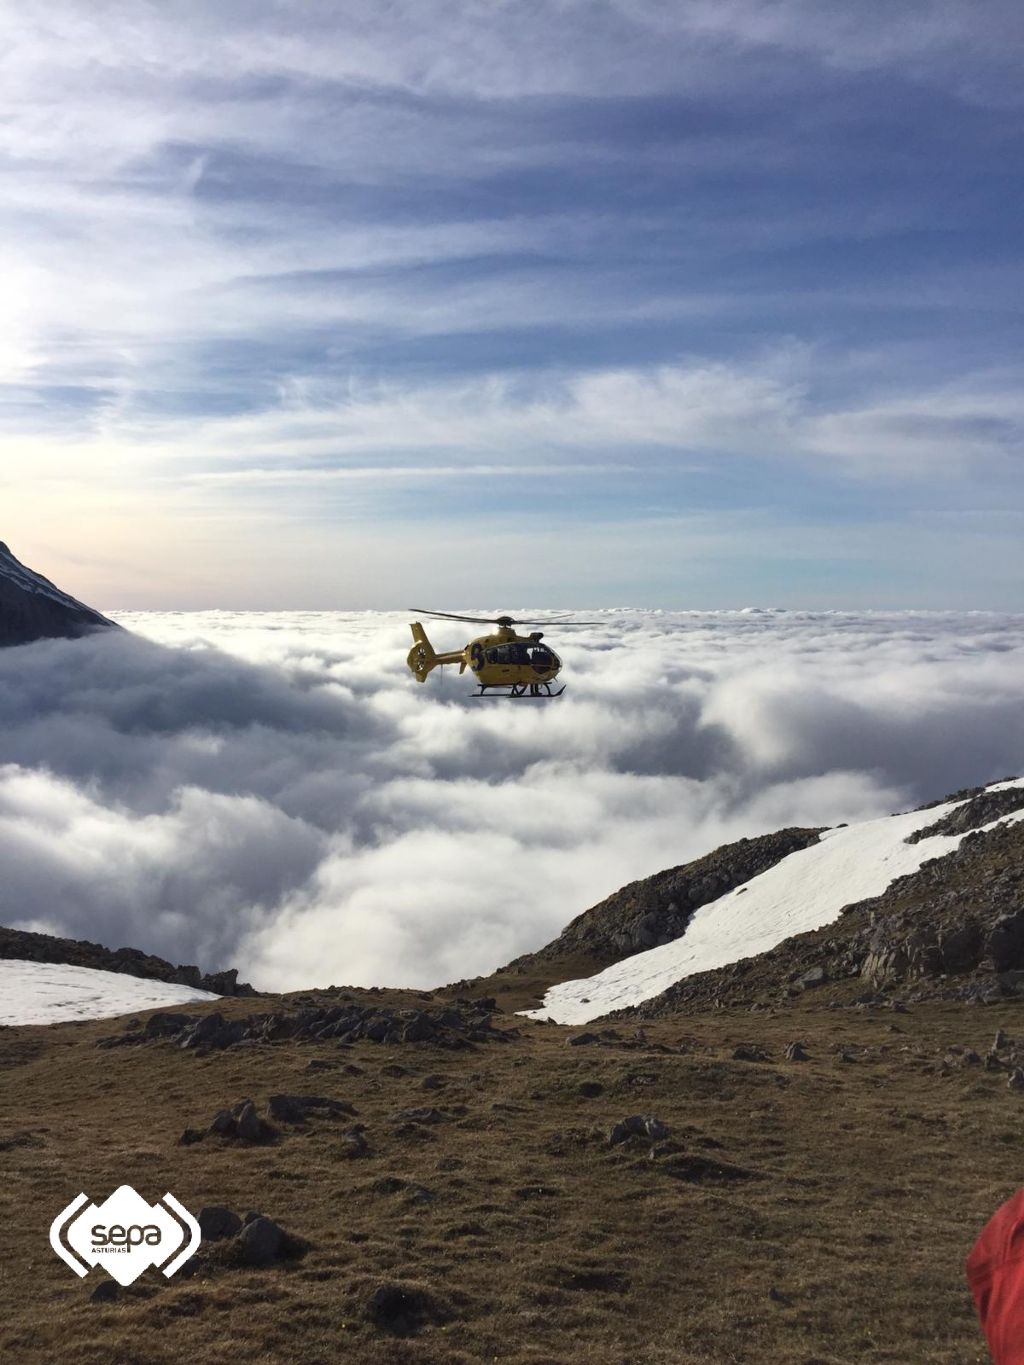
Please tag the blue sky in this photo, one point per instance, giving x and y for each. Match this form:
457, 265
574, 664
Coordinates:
692, 304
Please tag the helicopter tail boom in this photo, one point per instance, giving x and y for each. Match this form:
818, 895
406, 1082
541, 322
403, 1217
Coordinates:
423, 657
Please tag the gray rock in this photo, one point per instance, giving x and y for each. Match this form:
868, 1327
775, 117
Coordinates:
223, 1122
815, 976
353, 1143
248, 1124
637, 1125
745, 1053
216, 1221
162, 1024
582, 1039
1005, 942
261, 1241
796, 1052
422, 1114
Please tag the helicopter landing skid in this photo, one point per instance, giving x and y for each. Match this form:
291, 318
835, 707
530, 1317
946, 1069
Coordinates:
528, 690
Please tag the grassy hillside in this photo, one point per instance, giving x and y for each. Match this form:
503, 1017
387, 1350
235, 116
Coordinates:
794, 1212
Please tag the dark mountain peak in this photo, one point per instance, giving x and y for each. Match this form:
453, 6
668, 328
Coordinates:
33, 608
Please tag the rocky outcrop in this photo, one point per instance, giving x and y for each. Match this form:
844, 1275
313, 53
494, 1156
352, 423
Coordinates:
24, 946
982, 809
657, 910
455, 1026
33, 608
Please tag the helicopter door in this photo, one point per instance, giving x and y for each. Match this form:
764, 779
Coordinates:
476, 658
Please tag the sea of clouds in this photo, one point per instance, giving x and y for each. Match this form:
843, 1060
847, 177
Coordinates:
276, 792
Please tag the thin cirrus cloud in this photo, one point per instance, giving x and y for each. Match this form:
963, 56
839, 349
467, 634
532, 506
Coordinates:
712, 256
274, 791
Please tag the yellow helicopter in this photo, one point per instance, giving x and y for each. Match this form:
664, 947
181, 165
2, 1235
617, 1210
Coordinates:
504, 664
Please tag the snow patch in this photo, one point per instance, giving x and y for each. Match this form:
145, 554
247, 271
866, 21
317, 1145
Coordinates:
805, 891
52, 992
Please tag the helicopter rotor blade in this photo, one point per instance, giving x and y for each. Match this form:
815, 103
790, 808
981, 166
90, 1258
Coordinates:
497, 620
451, 616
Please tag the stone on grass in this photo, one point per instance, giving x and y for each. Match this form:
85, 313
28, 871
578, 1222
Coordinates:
637, 1125
421, 1114
745, 1053
216, 1222
353, 1143
261, 1241
248, 1125
223, 1122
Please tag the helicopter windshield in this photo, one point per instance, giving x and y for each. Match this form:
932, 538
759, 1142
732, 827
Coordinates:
519, 653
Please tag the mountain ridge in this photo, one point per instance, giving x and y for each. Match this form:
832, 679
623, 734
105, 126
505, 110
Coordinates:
33, 608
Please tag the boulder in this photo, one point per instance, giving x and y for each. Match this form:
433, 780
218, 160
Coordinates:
637, 1125
261, 1241
216, 1222
749, 1053
249, 1125
814, 976
223, 1123
1004, 946
353, 1143
297, 1108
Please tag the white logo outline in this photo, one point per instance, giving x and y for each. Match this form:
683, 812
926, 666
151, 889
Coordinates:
67, 1235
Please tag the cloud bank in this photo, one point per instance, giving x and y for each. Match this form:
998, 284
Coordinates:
274, 791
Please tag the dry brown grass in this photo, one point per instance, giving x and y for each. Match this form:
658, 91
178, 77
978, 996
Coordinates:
866, 1184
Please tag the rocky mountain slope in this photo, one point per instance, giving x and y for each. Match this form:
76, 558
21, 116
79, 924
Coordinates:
952, 930
947, 882
658, 909
33, 608
23, 946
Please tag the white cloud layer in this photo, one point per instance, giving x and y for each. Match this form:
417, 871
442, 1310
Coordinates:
274, 791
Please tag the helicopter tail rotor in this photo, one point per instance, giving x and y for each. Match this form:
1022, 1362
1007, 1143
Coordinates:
422, 657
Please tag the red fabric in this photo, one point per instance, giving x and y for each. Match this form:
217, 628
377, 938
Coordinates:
995, 1273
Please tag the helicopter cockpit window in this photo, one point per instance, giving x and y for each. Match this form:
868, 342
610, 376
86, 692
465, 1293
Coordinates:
508, 654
